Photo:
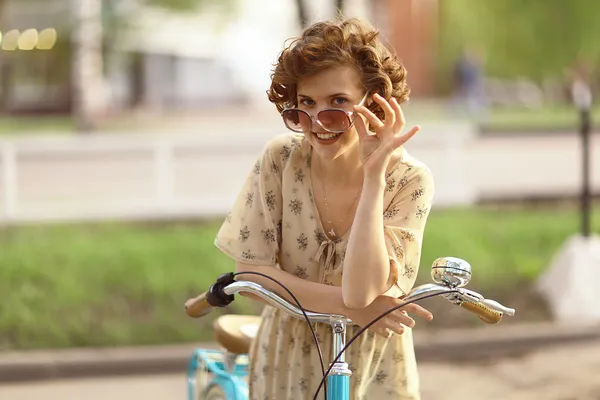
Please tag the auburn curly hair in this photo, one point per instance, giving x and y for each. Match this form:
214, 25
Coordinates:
349, 42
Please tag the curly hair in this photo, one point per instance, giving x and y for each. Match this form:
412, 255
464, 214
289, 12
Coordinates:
349, 42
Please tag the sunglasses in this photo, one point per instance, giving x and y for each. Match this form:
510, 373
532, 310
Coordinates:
333, 120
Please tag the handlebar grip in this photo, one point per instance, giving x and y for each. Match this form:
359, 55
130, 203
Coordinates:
214, 297
198, 307
485, 313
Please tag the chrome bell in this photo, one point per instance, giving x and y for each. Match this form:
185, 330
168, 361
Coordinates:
451, 271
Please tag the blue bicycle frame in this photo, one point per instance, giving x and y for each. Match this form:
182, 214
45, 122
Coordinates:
230, 375
338, 380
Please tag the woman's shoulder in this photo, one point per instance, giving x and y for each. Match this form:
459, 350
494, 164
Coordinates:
408, 170
285, 149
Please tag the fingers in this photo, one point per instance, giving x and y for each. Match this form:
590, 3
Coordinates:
400, 120
402, 318
390, 112
383, 332
401, 315
399, 124
397, 321
420, 311
387, 328
400, 140
361, 127
368, 114
394, 327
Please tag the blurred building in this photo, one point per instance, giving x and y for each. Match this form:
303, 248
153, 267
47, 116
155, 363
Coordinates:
33, 80
153, 58
411, 26
158, 59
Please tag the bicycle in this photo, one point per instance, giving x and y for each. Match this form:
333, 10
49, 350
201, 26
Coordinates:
223, 372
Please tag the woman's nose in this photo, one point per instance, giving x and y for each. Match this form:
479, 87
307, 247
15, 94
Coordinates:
317, 126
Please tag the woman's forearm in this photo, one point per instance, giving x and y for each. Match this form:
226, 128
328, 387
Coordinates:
366, 265
313, 296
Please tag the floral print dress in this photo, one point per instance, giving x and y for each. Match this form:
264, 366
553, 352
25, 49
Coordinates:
275, 222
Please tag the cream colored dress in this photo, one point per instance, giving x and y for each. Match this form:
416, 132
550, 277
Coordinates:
275, 222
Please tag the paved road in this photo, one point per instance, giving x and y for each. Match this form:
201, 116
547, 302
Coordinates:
567, 373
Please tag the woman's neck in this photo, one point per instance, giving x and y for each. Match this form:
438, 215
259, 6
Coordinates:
343, 170
347, 168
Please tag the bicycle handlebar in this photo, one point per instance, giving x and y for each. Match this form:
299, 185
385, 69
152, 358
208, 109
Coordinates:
449, 274
203, 304
221, 294
198, 306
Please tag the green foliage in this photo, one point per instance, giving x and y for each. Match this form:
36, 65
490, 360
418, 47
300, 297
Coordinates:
190, 5
119, 284
105, 285
532, 38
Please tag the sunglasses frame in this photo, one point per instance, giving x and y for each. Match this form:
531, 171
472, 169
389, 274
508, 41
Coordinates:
315, 120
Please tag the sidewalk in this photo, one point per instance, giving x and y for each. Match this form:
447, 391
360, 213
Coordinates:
460, 345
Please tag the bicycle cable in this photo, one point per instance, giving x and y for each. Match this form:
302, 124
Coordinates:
314, 335
361, 331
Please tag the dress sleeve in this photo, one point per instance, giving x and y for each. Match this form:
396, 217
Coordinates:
251, 233
404, 224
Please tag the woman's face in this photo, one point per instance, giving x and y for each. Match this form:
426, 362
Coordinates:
338, 87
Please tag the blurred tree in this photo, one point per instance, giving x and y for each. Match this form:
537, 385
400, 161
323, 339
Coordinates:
88, 85
303, 13
89, 39
339, 5
188, 5
533, 38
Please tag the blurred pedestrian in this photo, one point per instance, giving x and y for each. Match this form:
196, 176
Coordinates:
469, 84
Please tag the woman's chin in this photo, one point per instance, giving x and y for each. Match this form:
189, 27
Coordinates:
326, 150
331, 147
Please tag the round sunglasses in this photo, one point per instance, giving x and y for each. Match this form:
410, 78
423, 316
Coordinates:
333, 120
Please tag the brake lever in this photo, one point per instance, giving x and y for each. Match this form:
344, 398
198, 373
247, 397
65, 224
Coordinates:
461, 295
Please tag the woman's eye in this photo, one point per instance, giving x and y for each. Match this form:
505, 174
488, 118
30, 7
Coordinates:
340, 101
307, 102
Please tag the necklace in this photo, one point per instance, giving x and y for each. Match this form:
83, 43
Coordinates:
332, 230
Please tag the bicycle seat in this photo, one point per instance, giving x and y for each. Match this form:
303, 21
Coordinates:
236, 332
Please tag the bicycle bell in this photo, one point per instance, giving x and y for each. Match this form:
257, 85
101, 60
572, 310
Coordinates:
451, 271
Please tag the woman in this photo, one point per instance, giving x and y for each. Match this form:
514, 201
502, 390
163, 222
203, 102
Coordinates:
336, 213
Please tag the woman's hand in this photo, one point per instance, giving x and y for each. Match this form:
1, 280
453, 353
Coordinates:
394, 322
376, 150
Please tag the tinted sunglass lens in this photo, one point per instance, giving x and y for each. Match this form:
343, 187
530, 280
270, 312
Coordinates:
296, 120
334, 120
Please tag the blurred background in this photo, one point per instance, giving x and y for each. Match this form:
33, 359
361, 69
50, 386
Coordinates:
128, 126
